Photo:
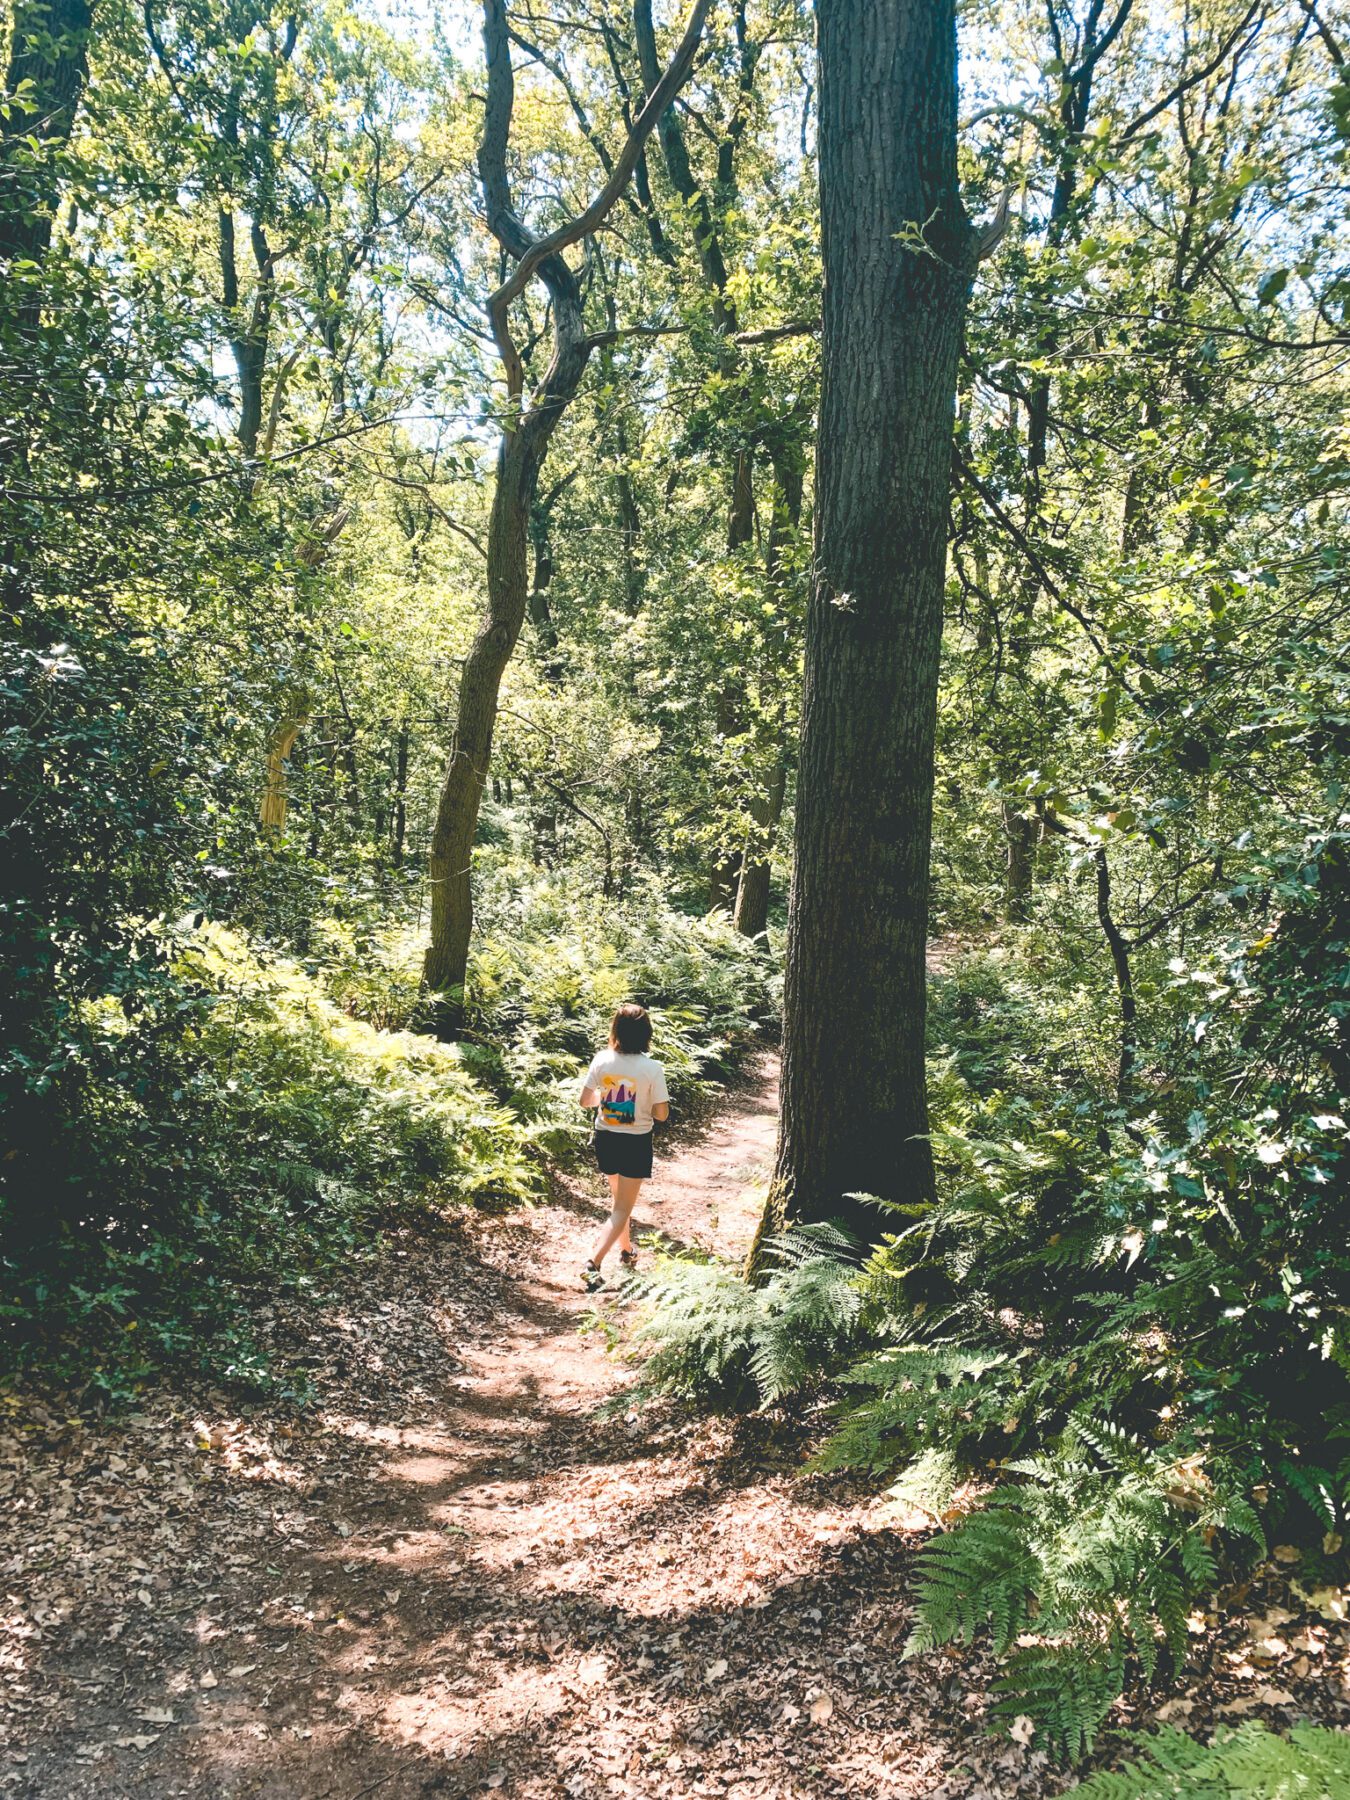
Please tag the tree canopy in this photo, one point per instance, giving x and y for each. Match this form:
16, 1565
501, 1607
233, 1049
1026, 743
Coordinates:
438, 601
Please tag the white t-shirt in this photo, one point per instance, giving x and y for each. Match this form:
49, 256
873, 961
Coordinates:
629, 1087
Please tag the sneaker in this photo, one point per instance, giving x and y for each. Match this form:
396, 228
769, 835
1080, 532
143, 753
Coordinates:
628, 1258
591, 1278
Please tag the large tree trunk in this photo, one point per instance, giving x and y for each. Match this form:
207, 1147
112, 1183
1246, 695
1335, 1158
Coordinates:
855, 1115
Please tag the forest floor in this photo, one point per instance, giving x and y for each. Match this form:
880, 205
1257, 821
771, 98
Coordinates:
458, 1572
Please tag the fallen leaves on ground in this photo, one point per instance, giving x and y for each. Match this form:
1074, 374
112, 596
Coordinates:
453, 1575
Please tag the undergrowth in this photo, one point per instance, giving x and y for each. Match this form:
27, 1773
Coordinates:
1111, 1355
1249, 1763
715, 1337
270, 1113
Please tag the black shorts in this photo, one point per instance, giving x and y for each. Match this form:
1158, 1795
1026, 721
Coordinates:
623, 1153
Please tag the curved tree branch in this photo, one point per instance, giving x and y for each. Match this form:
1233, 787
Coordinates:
531, 252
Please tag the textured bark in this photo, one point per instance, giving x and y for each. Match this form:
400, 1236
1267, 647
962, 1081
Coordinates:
49, 50
854, 1105
518, 464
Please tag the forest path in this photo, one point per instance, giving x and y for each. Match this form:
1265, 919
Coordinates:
458, 1575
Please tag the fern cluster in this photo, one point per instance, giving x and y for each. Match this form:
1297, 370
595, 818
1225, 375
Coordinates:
710, 1335
1251, 1763
939, 1395
1081, 1571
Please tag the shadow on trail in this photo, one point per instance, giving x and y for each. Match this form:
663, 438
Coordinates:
467, 1580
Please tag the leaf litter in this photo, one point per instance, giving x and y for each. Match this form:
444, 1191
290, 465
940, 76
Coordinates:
454, 1575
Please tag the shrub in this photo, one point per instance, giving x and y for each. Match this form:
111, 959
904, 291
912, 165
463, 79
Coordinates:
269, 1137
712, 1336
1250, 1763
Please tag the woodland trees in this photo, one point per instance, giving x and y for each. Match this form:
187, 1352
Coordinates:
526, 430
295, 610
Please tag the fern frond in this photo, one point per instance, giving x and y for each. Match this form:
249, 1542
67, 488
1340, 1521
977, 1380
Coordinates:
1251, 1763
929, 1482
1065, 1689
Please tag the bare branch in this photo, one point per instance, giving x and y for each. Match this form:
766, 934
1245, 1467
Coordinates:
530, 252
434, 506
1196, 76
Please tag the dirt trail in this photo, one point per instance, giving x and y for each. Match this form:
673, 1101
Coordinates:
458, 1577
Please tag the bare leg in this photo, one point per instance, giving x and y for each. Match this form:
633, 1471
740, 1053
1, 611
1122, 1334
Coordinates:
625, 1238
625, 1191
626, 1235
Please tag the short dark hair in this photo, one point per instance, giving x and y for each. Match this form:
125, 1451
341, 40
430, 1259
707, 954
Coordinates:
630, 1030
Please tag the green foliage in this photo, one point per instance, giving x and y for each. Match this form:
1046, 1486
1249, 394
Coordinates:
270, 1137
1086, 1565
1249, 1763
921, 1397
248, 1127
543, 993
710, 1335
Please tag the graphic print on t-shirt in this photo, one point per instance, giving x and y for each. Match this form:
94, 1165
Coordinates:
618, 1100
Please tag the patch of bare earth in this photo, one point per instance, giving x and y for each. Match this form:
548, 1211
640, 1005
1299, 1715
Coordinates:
456, 1575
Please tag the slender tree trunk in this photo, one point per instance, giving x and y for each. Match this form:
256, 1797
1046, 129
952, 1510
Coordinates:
1020, 835
399, 823
752, 893
855, 1114
276, 795
456, 825
1120, 966
1101, 30
524, 444
541, 613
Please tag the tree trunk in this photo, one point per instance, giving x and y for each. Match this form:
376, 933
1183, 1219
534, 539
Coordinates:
452, 840
1074, 109
1020, 867
855, 1114
276, 797
541, 613
399, 823
752, 893
524, 444
49, 52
